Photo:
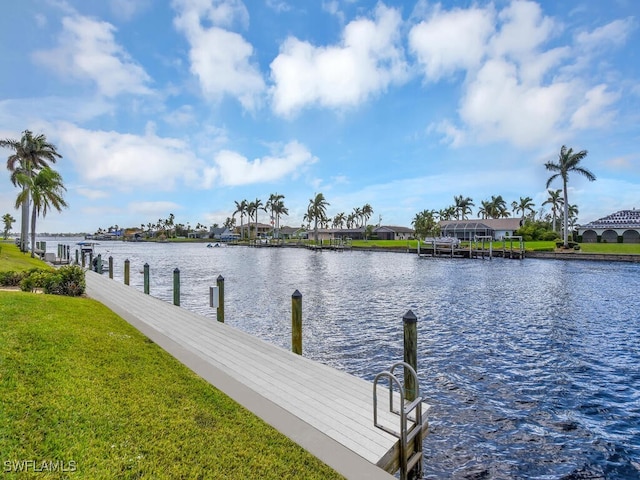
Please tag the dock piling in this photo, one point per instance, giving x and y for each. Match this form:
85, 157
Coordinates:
127, 269
146, 278
110, 267
296, 322
220, 312
410, 322
176, 287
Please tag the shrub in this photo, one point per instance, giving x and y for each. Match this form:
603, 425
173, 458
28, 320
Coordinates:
11, 279
549, 236
571, 245
68, 280
35, 279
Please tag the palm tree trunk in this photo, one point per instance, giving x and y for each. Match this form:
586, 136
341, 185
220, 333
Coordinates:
24, 229
33, 232
566, 216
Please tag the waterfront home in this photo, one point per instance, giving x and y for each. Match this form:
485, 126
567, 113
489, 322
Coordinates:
619, 227
496, 228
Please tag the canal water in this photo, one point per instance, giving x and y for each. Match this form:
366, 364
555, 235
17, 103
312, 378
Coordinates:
532, 367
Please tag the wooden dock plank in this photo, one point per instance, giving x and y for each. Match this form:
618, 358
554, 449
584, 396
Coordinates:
337, 404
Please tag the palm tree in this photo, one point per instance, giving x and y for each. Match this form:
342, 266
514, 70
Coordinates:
448, 213
338, 220
366, 213
252, 211
524, 205
568, 161
556, 202
350, 220
241, 208
46, 191
485, 209
31, 153
357, 215
317, 211
8, 220
462, 206
498, 207
229, 223
276, 205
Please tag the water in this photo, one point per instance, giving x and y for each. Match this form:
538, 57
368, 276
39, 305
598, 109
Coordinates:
532, 367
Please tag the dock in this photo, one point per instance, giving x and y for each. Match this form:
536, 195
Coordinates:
326, 411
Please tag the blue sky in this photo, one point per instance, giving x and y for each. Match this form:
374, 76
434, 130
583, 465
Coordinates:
185, 106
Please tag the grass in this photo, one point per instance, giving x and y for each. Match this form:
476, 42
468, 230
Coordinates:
78, 384
81, 387
12, 259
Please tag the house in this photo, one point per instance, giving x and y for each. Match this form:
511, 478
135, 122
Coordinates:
260, 230
289, 232
223, 234
619, 227
496, 228
386, 232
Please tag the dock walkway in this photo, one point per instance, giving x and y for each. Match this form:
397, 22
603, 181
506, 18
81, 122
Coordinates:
326, 411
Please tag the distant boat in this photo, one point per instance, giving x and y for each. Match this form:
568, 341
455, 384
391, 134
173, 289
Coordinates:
209, 245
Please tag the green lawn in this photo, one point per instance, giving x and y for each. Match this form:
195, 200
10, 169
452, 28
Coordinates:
12, 259
82, 390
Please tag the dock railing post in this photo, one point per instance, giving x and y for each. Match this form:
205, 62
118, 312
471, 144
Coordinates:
410, 388
146, 278
78, 258
410, 322
176, 287
127, 270
110, 267
220, 311
83, 259
296, 322
99, 263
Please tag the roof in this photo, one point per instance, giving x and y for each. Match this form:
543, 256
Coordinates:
390, 228
620, 219
482, 223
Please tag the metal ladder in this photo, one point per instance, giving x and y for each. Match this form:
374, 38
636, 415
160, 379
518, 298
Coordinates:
410, 427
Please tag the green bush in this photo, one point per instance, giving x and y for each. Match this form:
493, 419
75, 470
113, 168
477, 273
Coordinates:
571, 245
549, 236
11, 279
35, 279
68, 280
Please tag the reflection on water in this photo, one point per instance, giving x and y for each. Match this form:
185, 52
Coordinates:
531, 366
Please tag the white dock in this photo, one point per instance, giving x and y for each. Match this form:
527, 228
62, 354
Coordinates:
326, 411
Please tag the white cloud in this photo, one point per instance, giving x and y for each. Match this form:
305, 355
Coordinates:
91, 193
153, 209
515, 90
523, 30
593, 112
231, 168
613, 33
221, 59
87, 50
497, 106
126, 9
452, 40
368, 59
127, 161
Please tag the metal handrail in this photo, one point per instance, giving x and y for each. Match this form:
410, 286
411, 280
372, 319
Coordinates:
404, 412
